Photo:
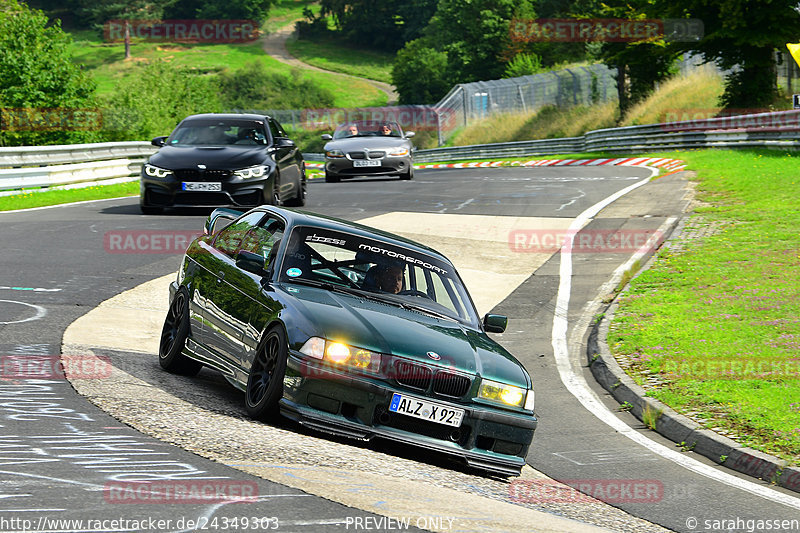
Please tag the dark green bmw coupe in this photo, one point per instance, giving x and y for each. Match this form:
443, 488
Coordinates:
348, 330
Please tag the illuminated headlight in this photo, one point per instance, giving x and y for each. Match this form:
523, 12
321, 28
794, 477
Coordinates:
341, 354
399, 151
333, 154
156, 172
502, 393
252, 172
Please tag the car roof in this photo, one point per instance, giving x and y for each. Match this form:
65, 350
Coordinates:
239, 116
303, 218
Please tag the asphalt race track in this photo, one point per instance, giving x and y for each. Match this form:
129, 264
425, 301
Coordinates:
60, 455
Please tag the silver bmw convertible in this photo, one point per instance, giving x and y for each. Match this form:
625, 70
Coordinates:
368, 148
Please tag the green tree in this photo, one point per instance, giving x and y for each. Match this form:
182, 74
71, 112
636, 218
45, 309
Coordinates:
475, 35
384, 25
420, 73
252, 87
741, 35
523, 64
154, 98
36, 72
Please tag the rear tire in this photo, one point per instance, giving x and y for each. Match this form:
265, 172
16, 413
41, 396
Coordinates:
173, 338
265, 379
331, 178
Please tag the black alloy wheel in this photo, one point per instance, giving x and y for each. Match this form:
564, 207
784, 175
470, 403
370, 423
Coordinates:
173, 338
265, 380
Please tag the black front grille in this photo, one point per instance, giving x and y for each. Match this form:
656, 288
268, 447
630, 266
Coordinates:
357, 155
376, 155
449, 384
411, 375
202, 175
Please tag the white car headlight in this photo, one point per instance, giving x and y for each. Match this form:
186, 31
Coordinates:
334, 154
257, 171
399, 151
502, 393
156, 172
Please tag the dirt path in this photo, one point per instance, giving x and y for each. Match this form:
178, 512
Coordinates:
274, 44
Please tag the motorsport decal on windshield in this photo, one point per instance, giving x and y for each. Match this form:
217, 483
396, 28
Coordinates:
406, 258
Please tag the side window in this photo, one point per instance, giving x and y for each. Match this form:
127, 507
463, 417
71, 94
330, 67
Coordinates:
263, 238
230, 239
275, 129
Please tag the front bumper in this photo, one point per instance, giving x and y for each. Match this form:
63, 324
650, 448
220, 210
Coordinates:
167, 192
388, 166
357, 407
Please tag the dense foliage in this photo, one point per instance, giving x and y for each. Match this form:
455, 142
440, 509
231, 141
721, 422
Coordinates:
39, 84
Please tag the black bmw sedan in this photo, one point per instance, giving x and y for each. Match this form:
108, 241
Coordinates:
238, 160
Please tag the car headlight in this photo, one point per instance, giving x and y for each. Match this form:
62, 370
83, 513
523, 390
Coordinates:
342, 354
252, 172
333, 154
399, 151
505, 394
156, 172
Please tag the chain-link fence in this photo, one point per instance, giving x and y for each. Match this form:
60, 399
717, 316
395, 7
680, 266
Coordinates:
468, 102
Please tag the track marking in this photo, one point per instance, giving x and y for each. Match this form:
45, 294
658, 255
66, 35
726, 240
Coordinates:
574, 382
40, 312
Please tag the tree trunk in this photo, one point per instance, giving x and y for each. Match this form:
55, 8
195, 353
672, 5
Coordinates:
622, 89
127, 40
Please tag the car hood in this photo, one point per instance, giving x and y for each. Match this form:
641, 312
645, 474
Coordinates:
389, 329
371, 143
213, 157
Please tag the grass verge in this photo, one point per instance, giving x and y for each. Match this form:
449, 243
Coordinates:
106, 64
27, 199
716, 320
332, 54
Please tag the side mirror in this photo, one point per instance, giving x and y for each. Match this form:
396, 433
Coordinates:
224, 213
283, 142
159, 141
327, 137
251, 262
495, 323
410, 134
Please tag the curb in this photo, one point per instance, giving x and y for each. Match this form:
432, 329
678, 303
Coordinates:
659, 162
678, 428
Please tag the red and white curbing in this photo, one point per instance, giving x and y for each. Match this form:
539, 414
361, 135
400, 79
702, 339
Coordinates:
659, 162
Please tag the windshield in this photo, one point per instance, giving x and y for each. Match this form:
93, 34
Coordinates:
367, 128
217, 132
376, 269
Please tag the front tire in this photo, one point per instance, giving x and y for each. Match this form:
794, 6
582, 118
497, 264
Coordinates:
265, 380
408, 175
300, 199
173, 338
331, 178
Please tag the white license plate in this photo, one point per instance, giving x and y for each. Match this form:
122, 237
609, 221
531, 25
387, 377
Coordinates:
425, 410
366, 163
202, 186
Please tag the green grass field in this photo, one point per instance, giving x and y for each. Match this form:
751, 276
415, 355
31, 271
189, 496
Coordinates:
31, 198
718, 320
105, 62
331, 54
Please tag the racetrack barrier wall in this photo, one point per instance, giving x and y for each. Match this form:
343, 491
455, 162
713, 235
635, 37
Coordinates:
45, 166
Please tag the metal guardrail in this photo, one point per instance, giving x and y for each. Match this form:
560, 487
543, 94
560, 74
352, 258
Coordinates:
44, 166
